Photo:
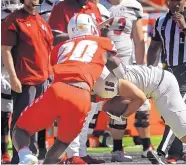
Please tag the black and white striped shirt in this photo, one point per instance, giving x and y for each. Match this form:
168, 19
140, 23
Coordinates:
174, 40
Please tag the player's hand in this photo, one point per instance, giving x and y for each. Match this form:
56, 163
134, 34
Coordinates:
104, 30
180, 20
15, 84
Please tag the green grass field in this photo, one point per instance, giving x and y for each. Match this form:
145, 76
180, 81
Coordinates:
127, 143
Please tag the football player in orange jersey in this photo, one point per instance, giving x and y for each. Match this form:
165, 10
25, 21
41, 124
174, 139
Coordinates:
80, 62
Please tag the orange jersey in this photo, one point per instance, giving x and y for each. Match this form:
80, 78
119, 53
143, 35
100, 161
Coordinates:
80, 59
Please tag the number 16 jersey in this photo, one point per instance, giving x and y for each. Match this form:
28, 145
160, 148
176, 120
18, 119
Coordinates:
80, 59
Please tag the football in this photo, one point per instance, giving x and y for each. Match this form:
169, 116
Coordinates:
116, 106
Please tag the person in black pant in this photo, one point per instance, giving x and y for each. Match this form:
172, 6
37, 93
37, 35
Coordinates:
169, 35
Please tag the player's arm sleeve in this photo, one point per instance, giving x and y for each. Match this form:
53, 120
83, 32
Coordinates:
57, 19
155, 34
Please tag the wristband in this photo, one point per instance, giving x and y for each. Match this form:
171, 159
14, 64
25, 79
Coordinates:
123, 117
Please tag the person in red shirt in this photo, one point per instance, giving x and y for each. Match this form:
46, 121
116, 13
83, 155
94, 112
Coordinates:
26, 45
64, 11
79, 63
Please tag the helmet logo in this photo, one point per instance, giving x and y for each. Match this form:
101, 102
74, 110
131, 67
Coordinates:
80, 26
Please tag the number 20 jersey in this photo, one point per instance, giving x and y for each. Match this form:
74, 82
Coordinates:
124, 14
80, 59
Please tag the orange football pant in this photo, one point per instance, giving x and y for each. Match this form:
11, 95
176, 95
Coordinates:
67, 104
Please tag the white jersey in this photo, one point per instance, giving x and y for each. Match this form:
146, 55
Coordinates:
164, 89
125, 15
145, 78
45, 9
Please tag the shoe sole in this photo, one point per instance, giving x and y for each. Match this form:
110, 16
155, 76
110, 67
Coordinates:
127, 160
154, 159
143, 156
30, 163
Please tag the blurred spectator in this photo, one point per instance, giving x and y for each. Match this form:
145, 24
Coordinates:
64, 10
7, 7
154, 5
26, 47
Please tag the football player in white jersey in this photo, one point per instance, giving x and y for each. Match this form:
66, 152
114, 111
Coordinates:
7, 7
126, 29
157, 84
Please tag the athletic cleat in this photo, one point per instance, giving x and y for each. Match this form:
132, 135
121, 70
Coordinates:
75, 160
144, 153
29, 160
5, 158
120, 156
173, 159
154, 158
89, 160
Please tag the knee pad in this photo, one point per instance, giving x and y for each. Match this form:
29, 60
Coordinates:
142, 119
118, 125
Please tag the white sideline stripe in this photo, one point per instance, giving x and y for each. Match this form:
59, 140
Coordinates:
167, 140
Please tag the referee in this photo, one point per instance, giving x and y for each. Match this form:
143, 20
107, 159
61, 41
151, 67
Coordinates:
169, 37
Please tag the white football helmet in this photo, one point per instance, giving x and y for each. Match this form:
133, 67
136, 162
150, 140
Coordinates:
10, 4
82, 24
